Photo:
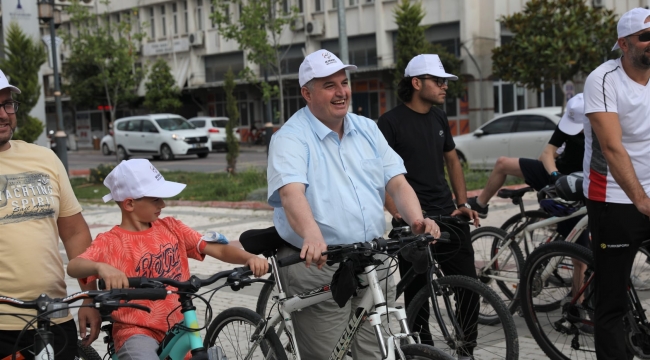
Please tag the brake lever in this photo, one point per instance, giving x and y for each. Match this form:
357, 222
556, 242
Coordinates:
135, 306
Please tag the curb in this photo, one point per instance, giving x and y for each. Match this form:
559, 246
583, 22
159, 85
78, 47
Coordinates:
250, 205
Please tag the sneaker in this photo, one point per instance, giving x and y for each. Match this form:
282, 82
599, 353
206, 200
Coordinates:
482, 211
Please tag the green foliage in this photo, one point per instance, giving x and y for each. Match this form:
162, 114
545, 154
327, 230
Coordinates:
102, 65
258, 34
162, 93
24, 57
233, 120
555, 40
98, 174
411, 41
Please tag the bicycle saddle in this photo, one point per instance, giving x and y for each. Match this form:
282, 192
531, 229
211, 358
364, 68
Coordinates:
513, 193
262, 241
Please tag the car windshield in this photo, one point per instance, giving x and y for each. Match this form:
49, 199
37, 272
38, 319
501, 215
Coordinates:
171, 124
219, 123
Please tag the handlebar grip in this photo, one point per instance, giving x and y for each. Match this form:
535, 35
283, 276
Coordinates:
133, 283
141, 294
290, 260
444, 237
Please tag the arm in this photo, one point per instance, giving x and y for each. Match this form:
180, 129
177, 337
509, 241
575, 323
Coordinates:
608, 131
75, 235
408, 205
390, 206
234, 255
457, 179
83, 268
548, 158
303, 223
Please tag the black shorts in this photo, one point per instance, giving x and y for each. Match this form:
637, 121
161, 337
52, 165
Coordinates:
535, 173
65, 332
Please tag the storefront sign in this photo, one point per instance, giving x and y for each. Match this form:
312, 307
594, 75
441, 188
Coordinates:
166, 47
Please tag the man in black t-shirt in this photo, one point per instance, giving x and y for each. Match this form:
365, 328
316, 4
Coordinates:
419, 132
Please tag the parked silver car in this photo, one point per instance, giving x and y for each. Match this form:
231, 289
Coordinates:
216, 127
520, 134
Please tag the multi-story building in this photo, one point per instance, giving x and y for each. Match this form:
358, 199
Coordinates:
182, 33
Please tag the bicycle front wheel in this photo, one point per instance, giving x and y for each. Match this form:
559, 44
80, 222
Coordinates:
422, 352
264, 300
467, 298
87, 352
565, 332
538, 236
502, 275
234, 331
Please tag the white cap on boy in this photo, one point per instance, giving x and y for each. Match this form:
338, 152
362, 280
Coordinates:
320, 64
427, 64
4, 83
631, 22
572, 121
136, 179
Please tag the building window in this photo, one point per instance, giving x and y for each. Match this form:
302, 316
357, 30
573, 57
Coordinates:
362, 49
175, 18
216, 66
318, 5
335, 4
163, 21
508, 97
187, 19
553, 96
199, 15
353, 2
300, 10
152, 21
290, 64
293, 101
212, 23
285, 6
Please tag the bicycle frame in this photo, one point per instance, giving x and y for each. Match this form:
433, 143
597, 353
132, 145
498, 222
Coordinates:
372, 298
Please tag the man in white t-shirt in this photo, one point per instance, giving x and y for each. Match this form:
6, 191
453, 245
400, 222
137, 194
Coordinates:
617, 174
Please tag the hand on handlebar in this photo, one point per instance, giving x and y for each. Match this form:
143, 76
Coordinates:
426, 226
312, 247
114, 278
470, 214
258, 266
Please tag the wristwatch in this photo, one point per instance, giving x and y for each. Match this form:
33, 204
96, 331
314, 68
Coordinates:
466, 205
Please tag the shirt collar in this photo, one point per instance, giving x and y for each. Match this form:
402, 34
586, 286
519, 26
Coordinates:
322, 131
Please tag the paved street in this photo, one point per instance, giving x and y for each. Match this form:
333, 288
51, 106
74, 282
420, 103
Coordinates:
232, 222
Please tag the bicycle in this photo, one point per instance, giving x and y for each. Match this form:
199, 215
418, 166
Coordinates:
493, 311
51, 308
565, 331
184, 336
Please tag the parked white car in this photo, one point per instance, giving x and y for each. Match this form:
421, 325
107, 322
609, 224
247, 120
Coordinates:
216, 127
107, 145
163, 136
519, 134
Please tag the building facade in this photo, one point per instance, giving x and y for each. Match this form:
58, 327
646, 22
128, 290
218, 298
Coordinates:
182, 33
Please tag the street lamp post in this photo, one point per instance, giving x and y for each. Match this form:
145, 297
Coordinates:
47, 13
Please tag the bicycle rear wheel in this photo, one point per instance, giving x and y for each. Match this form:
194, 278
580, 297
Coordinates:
538, 236
565, 332
489, 242
233, 330
640, 275
483, 341
87, 352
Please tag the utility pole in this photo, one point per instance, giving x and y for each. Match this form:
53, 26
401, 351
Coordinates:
343, 43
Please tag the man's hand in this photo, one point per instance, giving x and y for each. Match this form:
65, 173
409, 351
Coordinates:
426, 226
644, 206
258, 266
470, 214
114, 278
312, 249
88, 317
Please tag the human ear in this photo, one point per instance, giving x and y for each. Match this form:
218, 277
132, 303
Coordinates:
304, 91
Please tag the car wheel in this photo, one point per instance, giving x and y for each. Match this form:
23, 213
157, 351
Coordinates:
461, 158
166, 153
201, 156
106, 150
121, 154
156, 157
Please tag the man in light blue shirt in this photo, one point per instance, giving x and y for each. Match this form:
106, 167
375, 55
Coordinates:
328, 171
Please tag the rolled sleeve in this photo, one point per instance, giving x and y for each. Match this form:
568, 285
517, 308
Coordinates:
286, 166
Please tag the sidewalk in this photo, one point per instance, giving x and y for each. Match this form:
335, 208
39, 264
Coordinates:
232, 222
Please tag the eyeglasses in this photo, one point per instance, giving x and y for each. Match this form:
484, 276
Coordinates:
439, 81
10, 106
645, 37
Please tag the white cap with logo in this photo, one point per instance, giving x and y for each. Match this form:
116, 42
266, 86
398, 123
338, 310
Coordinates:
320, 64
427, 64
631, 22
137, 178
573, 120
4, 83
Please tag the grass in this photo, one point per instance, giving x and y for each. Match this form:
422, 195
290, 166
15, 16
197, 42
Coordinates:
246, 185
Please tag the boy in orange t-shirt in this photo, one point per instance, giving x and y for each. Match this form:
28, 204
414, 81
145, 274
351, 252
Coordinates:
146, 245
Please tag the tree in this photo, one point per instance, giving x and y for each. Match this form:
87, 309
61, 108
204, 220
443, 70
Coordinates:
162, 93
102, 65
233, 119
258, 34
410, 41
554, 41
24, 57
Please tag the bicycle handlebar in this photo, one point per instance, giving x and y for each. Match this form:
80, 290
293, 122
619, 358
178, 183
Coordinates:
378, 244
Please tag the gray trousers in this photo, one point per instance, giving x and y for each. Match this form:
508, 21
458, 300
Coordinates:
139, 347
318, 327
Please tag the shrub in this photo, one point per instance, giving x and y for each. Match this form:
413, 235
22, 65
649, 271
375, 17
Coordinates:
98, 174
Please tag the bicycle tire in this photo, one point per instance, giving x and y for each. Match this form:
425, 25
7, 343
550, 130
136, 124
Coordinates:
270, 347
264, 297
486, 242
640, 274
422, 351
547, 327
538, 236
489, 340
87, 352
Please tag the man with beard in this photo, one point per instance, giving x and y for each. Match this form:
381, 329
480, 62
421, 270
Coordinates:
617, 174
419, 132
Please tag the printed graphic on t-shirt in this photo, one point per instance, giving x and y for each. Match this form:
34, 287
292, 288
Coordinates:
28, 195
165, 263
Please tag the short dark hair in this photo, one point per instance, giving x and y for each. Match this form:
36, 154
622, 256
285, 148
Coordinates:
405, 89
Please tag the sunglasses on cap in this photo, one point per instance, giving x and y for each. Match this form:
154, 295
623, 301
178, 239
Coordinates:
439, 81
645, 37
